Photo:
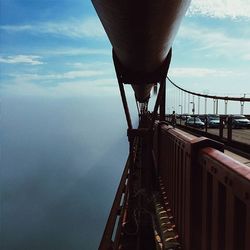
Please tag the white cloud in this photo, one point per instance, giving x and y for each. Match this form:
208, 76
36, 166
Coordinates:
90, 27
26, 59
246, 57
78, 52
57, 76
216, 42
97, 66
200, 72
79, 74
220, 8
16, 28
101, 87
219, 81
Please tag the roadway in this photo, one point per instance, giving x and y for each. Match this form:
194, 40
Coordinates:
238, 157
238, 135
241, 135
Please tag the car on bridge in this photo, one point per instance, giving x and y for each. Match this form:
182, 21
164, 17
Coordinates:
195, 122
184, 117
240, 121
213, 121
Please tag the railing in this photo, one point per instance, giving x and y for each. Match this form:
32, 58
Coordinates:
109, 240
208, 192
112, 232
225, 201
223, 132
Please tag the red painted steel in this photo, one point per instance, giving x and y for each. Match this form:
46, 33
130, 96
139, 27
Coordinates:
208, 192
107, 242
141, 32
119, 208
233, 187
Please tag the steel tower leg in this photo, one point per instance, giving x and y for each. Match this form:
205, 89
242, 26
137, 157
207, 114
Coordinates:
124, 102
163, 101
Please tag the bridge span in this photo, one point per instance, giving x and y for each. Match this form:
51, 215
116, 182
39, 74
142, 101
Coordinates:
178, 190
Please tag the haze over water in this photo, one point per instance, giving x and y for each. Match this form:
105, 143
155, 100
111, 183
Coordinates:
62, 159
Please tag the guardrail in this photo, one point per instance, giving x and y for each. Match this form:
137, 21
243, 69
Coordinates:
224, 132
112, 232
208, 192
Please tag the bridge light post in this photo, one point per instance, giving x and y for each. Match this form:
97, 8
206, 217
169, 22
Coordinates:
205, 105
193, 109
181, 108
242, 105
241, 108
226, 101
217, 107
199, 100
185, 101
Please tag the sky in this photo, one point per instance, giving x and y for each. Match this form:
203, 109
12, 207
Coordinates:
63, 131
59, 48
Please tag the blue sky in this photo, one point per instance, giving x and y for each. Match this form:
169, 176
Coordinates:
58, 48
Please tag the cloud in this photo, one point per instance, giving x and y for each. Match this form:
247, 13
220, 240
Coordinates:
76, 74
26, 59
216, 80
246, 57
100, 87
68, 71
200, 72
217, 42
62, 51
90, 27
106, 68
77, 52
220, 9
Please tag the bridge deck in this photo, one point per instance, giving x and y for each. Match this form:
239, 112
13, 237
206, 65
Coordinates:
203, 195
238, 157
235, 156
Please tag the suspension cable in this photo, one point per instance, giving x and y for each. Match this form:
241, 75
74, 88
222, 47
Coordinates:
230, 98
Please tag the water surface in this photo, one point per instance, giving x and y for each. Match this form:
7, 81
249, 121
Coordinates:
61, 162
